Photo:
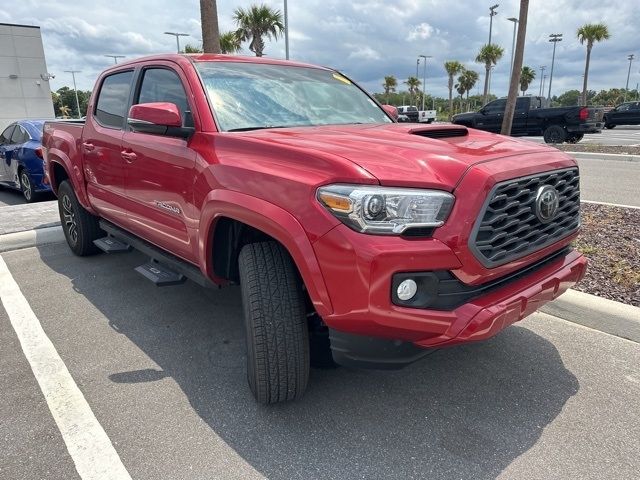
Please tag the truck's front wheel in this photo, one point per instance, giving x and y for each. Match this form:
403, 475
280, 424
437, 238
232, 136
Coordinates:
276, 323
79, 226
554, 134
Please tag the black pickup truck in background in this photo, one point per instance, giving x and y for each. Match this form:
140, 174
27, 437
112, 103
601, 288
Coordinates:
533, 117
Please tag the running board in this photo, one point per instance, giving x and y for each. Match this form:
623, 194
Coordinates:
169, 266
110, 244
159, 274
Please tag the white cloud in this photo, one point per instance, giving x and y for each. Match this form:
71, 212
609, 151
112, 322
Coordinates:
420, 32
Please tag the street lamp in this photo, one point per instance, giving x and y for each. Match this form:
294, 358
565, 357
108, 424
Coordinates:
177, 35
492, 13
286, 31
424, 75
115, 57
513, 44
555, 38
542, 69
73, 74
630, 58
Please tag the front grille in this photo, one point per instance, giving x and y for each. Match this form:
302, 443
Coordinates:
509, 228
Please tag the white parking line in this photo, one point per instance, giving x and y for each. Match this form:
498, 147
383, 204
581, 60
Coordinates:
88, 444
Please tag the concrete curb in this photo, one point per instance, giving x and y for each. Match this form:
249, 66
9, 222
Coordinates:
31, 238
605, 156
601, 314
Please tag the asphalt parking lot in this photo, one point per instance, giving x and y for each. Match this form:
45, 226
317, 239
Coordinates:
163, 372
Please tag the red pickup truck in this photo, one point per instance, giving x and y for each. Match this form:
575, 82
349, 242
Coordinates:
354, 239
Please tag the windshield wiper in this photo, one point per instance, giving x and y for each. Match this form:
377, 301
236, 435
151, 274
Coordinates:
259, 127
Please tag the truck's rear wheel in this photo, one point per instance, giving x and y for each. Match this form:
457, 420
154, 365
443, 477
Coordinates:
276, 323
79, 226
609, 126
554, 134
575, 138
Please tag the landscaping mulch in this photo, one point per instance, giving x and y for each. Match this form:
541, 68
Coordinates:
610, 239
597, 148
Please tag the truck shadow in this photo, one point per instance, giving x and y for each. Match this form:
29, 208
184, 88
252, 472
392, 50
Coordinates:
465, 412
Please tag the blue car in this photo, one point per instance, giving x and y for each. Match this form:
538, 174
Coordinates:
21, 159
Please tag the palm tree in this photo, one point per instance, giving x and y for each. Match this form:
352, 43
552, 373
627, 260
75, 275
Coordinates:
230, 42
453, 68
256, 22
460, 88
590, 33
389, 85
209, 21
468, 80
526, 77
414, 87
65, 111
489, 55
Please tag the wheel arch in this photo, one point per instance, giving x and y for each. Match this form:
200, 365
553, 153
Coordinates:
226, 210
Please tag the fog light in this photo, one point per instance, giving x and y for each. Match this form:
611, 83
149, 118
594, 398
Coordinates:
407, 289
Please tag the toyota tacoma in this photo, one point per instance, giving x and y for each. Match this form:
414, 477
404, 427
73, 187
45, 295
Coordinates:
355, 240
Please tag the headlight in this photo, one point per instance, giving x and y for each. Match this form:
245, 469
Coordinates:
384, 210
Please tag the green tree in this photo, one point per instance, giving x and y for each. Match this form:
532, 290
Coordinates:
453, 68
192, 49
389, 85
67, 98
256, 22
230, 43
414, 87
590, 33
489, 55
468, 80
209, 22
526, 77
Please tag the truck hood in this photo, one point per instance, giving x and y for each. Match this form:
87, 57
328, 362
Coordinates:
430, 156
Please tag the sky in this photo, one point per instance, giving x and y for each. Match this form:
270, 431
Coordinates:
365, 39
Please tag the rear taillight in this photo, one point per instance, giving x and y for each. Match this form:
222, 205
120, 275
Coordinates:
39, 152
584, 113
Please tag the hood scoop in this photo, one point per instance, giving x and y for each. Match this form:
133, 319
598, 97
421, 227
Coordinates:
440, 132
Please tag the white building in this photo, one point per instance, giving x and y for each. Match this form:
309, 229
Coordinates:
24, 80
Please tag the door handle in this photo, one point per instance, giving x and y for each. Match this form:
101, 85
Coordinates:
89, 147
129, 157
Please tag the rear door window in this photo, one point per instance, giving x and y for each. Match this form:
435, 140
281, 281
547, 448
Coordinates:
113, 99
521, 104
5, 138
19, 135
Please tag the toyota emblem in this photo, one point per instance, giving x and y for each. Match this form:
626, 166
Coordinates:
547, 203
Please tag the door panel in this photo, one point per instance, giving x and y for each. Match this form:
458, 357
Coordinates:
161, 171
104, 166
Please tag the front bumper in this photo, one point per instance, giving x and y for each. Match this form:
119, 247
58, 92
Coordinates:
367, 329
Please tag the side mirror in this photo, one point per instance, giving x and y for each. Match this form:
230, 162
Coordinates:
159, 118
483, 111
391, 111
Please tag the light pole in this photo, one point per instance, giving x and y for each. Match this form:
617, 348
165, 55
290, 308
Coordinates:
115, 57
73, 74
542, 69
177, 35
424, 75
513, 44
555, 38
492, 13
286, 31
544, 81
626, 88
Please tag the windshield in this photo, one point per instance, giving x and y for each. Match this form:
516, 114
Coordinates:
246, 96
